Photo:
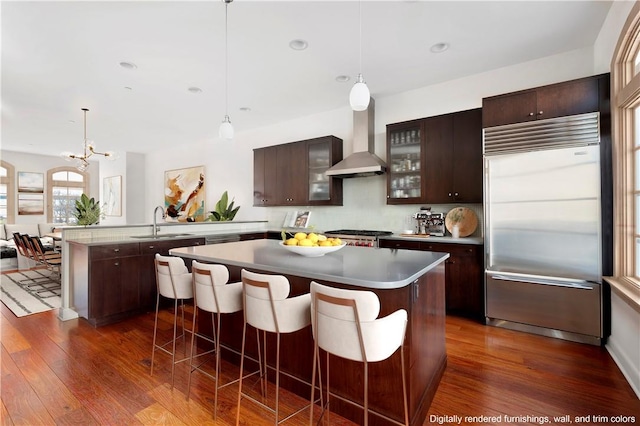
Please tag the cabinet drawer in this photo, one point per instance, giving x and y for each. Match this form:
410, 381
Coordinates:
454, 249
163, 247
114, 250
398, 244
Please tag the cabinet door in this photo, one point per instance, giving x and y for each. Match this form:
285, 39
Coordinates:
114, 286
570, 98
467, 156
507, 109
264, 176
147, 288
323, 153
291, 174
438, 159
405, 183
464, 277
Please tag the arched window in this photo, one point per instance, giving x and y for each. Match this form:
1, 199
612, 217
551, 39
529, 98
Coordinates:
625, 111
66, 185
7, 192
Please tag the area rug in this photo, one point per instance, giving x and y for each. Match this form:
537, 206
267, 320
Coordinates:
29, 292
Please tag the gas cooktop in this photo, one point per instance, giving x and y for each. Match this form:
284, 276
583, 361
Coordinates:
359, 232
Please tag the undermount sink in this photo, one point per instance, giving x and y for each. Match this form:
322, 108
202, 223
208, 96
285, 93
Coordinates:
155, 237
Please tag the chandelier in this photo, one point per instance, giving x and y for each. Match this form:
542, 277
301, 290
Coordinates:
89, 149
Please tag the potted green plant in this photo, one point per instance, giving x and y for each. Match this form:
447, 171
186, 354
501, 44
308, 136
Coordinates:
224, 211
88, 211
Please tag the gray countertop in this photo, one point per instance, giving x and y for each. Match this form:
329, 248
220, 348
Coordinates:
374, 268
124, 239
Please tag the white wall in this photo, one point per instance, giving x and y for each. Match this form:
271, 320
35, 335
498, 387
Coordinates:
230, 166
41, 163
130, 167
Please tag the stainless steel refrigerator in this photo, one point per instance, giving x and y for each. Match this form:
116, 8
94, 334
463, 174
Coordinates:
542, 215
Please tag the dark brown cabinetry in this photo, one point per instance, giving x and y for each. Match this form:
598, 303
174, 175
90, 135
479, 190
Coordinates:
322, 153
147, 284
436, 159
464, 288
118, 268
294, 173
264, 176
405, 156
291, 171
555, 100
114, 281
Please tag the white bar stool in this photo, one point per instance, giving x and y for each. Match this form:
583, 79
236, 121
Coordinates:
268, 308
173, 280
345, 323
212, 293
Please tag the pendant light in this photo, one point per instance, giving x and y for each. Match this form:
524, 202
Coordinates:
226, 129
88, 149
360, 95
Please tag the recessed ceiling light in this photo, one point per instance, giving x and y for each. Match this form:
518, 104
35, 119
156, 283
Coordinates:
128, 65
128, 88
194, 89
71, 121
343, 78
298, 44
439, 47
245, 109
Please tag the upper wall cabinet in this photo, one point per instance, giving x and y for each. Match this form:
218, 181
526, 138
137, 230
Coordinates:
404, 156
556, 100
322, 153
293, 174
436, 159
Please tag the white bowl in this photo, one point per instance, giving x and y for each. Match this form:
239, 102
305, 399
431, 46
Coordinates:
311, 251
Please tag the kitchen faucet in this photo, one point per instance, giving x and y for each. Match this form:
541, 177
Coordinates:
155, 223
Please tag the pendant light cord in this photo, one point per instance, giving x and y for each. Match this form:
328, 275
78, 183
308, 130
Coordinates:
360, 35
226, 59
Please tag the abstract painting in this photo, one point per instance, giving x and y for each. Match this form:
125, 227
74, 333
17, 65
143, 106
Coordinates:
30, 204
184, 194
31, 182
112, 195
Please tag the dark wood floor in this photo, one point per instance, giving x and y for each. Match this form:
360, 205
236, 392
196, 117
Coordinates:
62, 373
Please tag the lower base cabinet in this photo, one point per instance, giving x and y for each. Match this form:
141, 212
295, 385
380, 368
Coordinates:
114, 281
464, 282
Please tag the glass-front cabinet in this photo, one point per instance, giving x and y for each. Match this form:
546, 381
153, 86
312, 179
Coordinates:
405, 162
322, 154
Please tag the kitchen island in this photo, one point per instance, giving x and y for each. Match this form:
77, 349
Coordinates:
402, 279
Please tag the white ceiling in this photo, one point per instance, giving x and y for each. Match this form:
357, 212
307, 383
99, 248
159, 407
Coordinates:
58, 57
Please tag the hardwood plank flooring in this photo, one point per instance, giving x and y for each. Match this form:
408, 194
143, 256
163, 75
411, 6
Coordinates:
69, 373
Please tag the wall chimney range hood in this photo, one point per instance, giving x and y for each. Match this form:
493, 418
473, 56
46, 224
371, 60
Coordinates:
363, 161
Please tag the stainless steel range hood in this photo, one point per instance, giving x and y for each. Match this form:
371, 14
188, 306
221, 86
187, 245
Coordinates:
363, 161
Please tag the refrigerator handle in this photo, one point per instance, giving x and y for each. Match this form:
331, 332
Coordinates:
578, 284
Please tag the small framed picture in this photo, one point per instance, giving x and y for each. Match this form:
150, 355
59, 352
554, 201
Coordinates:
31, 182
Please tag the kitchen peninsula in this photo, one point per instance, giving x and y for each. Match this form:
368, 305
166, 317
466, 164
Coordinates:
402, 279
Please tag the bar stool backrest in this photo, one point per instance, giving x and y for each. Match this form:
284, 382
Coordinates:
267, 306
173, 278
211, 291
345, 323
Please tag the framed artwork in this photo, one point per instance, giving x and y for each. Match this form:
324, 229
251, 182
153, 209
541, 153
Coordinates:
184, 194
112, 195
30, 204
31, 182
